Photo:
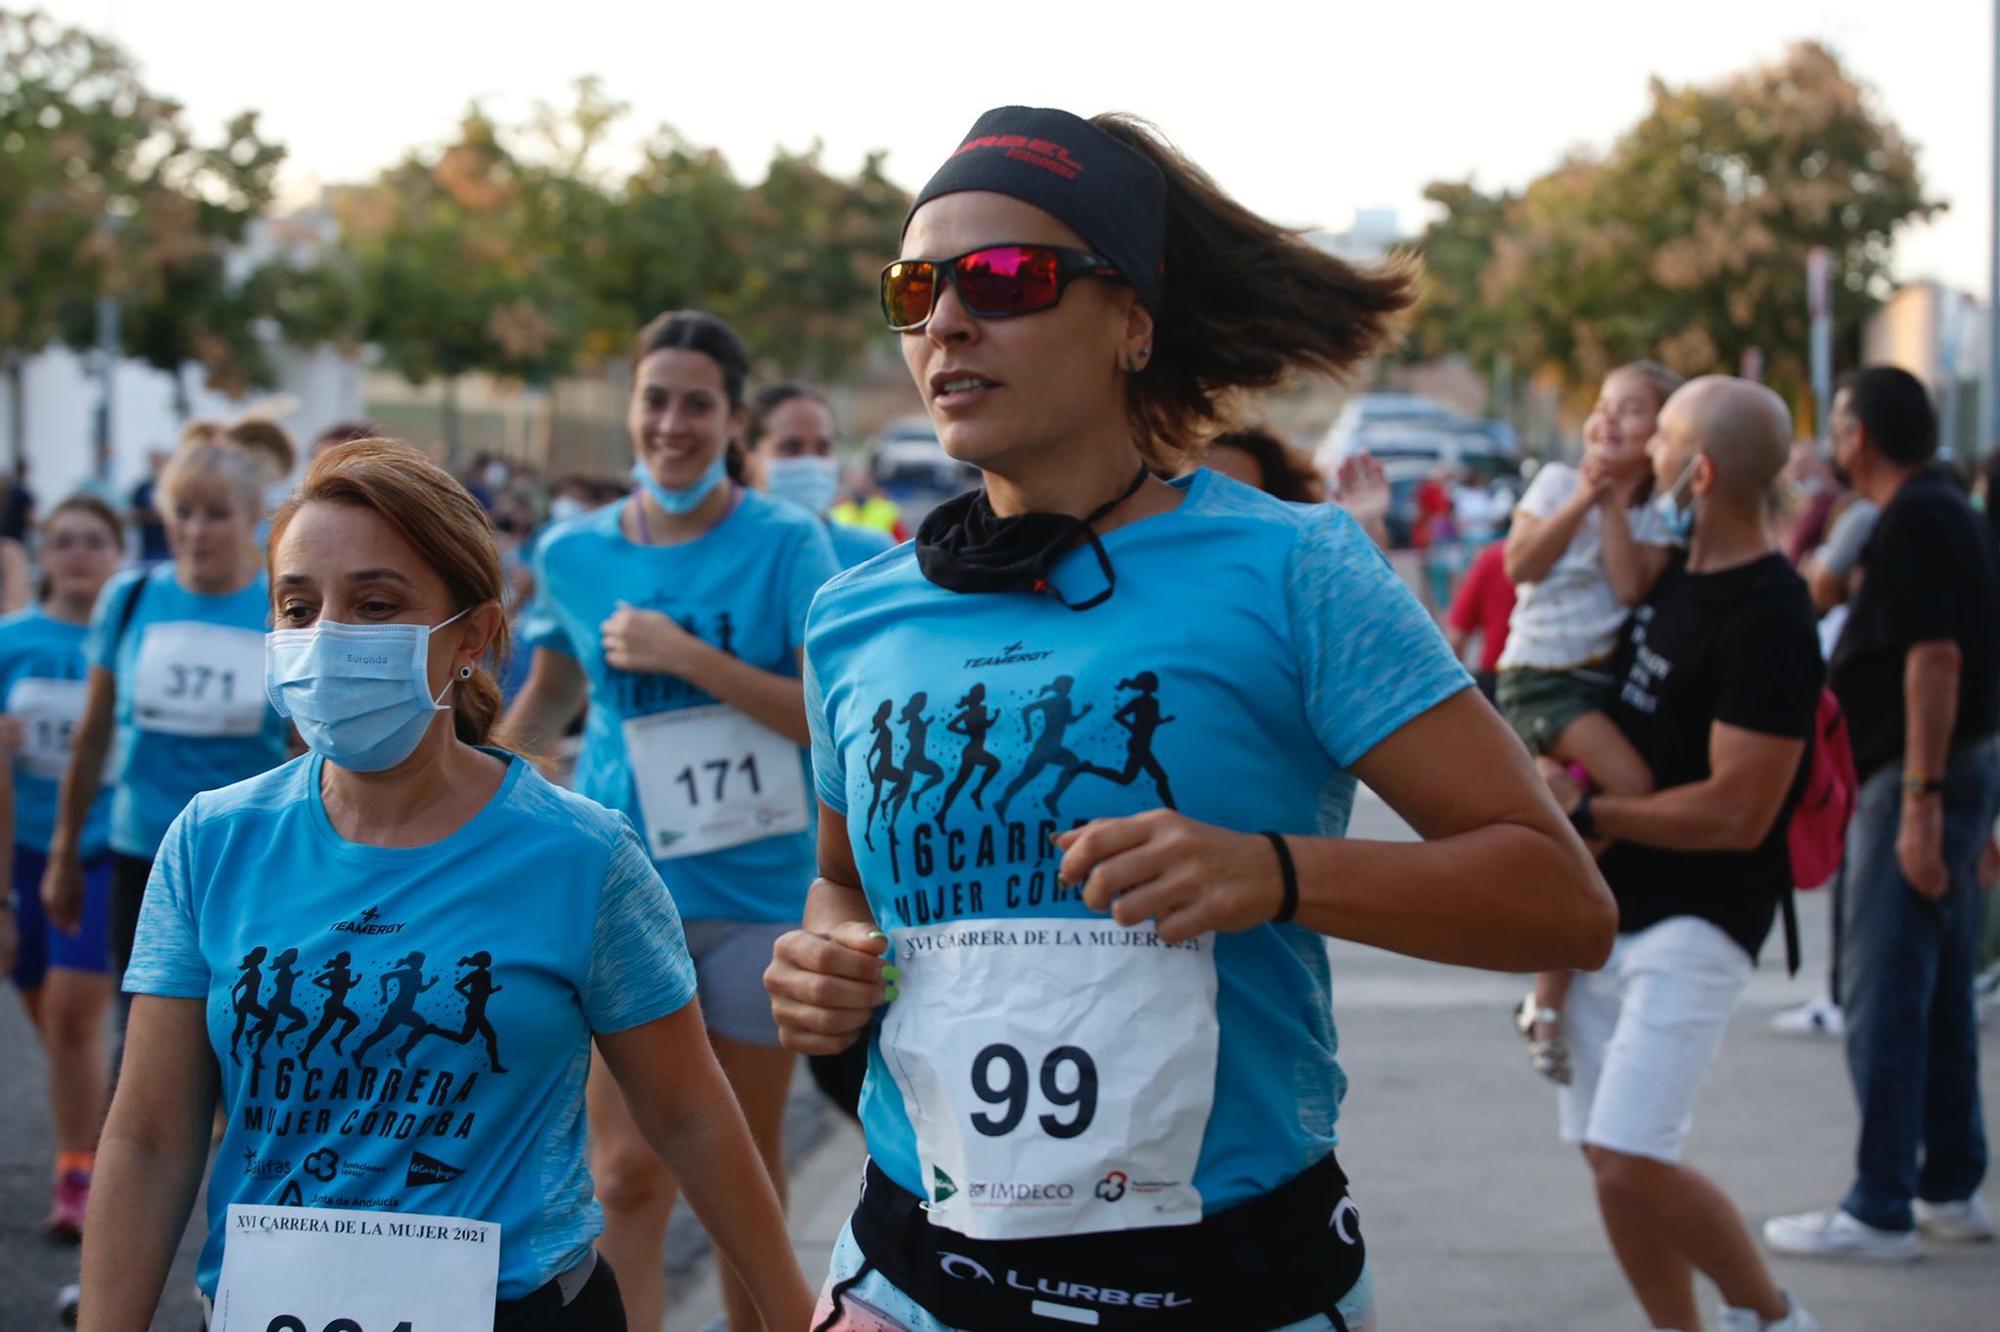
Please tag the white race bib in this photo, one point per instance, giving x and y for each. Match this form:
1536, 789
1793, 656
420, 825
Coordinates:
49, 711
710, 778
1058, 1073
329, 1269
200, 679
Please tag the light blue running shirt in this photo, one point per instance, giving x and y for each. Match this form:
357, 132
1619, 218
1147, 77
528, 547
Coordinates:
744, 587
857, 545
192, 714
407, 1029
42, 683
1252, 652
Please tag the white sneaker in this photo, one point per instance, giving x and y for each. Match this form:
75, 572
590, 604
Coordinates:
1836, 1233
1796, 1319
1965, 1222
1818, 1017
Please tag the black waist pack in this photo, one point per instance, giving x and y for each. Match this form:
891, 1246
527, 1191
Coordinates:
1278, 1259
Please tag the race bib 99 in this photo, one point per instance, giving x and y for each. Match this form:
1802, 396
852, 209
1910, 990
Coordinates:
1058, 1073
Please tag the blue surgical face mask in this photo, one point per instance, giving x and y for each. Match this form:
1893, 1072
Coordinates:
686, 499
811, 483
359, 694
565, 507
1675, 517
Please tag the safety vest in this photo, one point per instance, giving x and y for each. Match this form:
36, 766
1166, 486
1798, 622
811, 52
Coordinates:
876, 513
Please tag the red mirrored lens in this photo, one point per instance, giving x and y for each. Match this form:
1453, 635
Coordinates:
1009, 280
907, 292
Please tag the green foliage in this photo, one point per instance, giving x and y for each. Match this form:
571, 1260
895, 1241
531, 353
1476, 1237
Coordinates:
104, 189
1687, 241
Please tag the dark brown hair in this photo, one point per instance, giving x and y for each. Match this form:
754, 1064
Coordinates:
1246, 302
769, 400
1665, 382
96, 508
428, 508
1285, 473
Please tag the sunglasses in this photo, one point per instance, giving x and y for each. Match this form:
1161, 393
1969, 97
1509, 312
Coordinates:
993, 282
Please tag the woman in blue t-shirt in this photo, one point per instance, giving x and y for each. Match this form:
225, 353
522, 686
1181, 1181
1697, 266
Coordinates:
176, 658
58, 963
1102, 1084
387, 963
680, 615
788, 449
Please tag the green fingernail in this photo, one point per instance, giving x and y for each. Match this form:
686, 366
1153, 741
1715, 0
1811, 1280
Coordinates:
877, 934
892, 973
889, 995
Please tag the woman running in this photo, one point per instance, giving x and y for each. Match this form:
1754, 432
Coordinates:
680, 616
416, 831
60, 968
1102, 1089
177, 678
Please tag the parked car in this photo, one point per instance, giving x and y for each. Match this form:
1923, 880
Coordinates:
914, 470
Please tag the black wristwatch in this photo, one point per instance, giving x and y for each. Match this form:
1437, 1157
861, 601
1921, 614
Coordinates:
1582, 819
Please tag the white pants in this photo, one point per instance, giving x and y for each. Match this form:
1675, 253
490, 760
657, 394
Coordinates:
1642, 1033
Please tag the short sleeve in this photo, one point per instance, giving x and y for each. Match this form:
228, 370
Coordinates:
1913, 577
813, 564
829, 774
166, 952
639, 964
1549, 491
100, 645
1841, 552
1370, 656
539, 626
1772, 674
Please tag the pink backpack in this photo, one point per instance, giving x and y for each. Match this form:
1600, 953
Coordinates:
1818, 833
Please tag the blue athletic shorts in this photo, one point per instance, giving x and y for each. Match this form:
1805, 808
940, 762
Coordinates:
42, 944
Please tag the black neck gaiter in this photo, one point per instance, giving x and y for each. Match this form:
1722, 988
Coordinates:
963, 546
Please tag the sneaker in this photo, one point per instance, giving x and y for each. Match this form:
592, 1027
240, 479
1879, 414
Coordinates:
1796, 1319
1967, 1222
66, 1207
1837, 1233
1820, 1017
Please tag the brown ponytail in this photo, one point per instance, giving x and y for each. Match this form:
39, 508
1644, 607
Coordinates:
429, 509
1246, 302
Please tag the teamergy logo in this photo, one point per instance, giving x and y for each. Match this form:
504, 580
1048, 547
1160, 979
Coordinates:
1011, 655
961, 1268
369, 923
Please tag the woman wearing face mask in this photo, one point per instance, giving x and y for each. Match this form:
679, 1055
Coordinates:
1102, 1086
679, 614
176, 659
465, 1099
58, 967
789, 447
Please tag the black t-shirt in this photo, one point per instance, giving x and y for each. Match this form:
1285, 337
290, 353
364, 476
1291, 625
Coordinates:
1929, 572
1738, 647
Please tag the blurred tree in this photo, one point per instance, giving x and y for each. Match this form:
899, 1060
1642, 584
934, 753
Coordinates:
105, 190
1687, 241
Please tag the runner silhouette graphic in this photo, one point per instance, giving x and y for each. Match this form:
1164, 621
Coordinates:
1053, 706
338, 982
973, 722
917, 732
477, 986
408, 978
882, 771
1140, 717
284, 977
243, 997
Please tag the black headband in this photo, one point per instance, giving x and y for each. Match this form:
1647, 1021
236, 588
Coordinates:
1064, 165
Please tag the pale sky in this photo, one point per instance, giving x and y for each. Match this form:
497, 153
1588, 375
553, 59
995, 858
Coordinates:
1306, 111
